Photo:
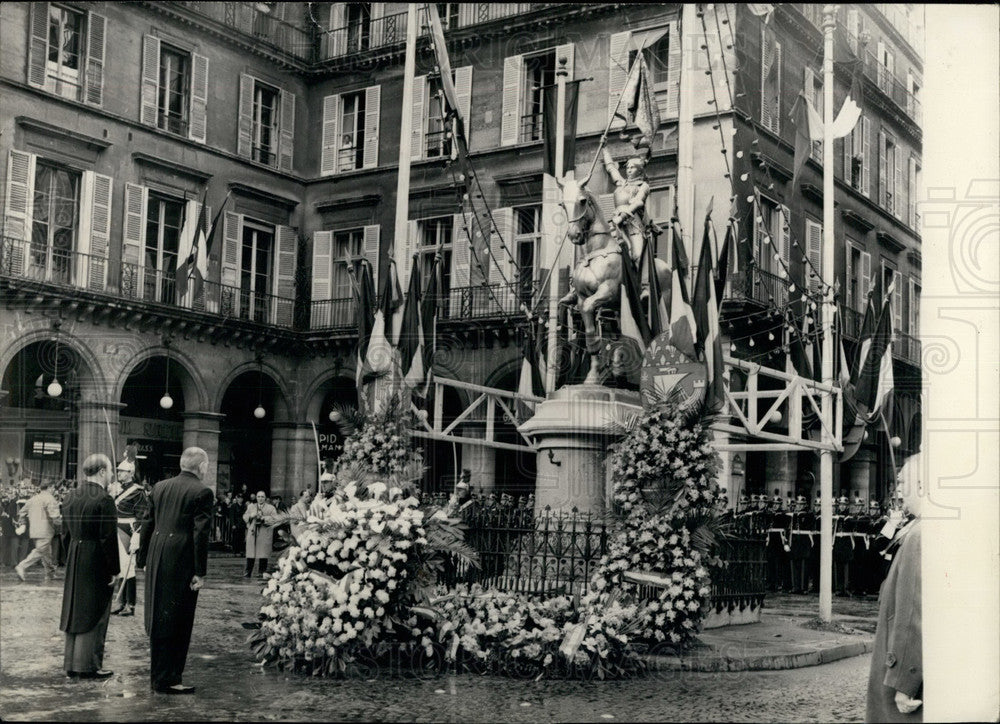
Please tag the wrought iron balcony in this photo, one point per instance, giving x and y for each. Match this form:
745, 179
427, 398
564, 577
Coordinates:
755, 285
907, 347
249, 20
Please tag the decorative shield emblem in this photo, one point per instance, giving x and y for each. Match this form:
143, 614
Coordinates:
666, 370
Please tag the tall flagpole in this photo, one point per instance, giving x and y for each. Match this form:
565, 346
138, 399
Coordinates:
826, 271
558, 253
685, 130
401, 226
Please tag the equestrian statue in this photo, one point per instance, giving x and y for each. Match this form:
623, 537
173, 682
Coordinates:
596, 279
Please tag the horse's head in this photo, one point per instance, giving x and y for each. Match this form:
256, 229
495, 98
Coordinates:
579, 206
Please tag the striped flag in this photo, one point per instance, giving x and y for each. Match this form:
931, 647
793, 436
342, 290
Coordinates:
364, 296
706, 313
530, 381
875, 381
633, 321
682, 324
411, 335
428, 321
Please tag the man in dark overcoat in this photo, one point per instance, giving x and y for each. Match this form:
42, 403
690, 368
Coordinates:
896, 678
91, 566
173, 548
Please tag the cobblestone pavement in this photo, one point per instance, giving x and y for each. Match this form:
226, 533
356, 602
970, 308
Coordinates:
232, 687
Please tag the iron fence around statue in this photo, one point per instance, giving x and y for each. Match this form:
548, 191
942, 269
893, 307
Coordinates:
554, 553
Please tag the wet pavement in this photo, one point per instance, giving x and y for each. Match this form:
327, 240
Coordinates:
231, 686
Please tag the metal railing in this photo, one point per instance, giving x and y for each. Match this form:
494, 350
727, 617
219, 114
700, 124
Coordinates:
555, 553
754, 284
852, 320
247, 19
887, 81
50, 265
531, 127
333, 314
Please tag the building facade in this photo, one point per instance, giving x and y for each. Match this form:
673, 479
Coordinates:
120, 120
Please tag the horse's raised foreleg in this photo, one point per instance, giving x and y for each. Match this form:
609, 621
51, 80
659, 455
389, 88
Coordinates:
604, 295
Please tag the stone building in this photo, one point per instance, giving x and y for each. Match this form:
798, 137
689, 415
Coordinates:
119, 120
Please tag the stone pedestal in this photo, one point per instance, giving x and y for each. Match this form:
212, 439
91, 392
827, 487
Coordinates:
293, 460
201, 429
571, 430
97, 418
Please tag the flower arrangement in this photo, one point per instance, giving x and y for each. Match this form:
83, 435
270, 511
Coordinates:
557, 637
381, 443
664, 493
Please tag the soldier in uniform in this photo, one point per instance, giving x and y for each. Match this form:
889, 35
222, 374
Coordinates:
843, 544
131, 503
801, 544
777, 543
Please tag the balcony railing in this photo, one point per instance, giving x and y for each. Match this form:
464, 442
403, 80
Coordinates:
333, 314
50, 265
756, 285
245, 18
531, 127
887, 81
389, 30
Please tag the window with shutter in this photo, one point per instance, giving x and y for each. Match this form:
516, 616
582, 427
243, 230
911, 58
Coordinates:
883, 186
169, 228
331, 132
899, 202
133, 240
539, 71
56, 232
913, 309
897, 301
94, 79
100, 233
245, 115
852, 274
501, 269
371, 250
510, 121
256, 270
866, 163
353, 123
770, 81
814, 253
283, 303
866, 280
373, 104
66, 49
418, 127
18, 203
199, 98
322, 275
618, 56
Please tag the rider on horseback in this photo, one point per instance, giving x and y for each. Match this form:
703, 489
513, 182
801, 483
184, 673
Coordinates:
630, 200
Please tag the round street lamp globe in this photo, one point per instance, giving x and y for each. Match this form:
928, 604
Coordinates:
54, 389
335, 416
166, 402
259, 412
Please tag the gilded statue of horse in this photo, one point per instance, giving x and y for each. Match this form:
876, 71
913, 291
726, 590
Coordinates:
596, 278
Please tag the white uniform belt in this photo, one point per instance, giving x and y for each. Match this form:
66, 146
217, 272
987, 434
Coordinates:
126, 520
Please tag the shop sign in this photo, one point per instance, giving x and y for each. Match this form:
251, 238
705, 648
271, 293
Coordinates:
145, 428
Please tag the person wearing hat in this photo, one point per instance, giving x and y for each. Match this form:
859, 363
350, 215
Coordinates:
324, 493
131, 502
461, 501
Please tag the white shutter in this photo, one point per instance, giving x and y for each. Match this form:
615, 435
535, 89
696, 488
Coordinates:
149, 91
373, 105
617, 73
331, 132
777, 88
286, 135
911, 192
322, 278
897, 191
913, 310
880, 57
18, 202
848, 154
232, 231
337, 37
897, 301
418, 123
866, 156
94, 79
404, 253
674, 62
377, 35
463, 91
460, 256
502, 267
849, 273
99, 233
814, 252
866, 280
882, 166
852, 27
133, 240
566, 51
370, 249
283, 303
38, 44
510, 121
244, 120
199, 98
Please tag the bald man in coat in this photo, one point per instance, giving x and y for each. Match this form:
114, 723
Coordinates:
173, 547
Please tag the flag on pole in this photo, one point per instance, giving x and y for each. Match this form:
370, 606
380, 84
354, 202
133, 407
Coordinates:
639, 99
190, 268
843, 366
633, 321
379, 354
428, 321
868, 326
875, 379
706, 313
550, 127
722, 270
364, 296
530, 381
444, 63
411, 336
656, 306
682, 324
808, 128
850, 112
798, 358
